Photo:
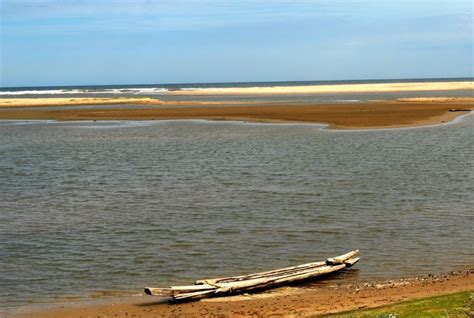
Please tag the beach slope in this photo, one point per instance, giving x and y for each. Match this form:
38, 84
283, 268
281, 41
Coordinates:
281, 302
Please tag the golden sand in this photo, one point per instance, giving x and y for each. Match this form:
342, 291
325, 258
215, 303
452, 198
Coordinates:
62, 101
336, 88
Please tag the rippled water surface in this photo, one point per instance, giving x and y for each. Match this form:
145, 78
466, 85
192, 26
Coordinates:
88, 208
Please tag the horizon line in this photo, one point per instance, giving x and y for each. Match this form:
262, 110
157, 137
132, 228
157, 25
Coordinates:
250, 82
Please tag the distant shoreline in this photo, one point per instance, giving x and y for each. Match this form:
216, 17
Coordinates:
332, 88
244, 88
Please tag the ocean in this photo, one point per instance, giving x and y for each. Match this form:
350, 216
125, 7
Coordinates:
97, 209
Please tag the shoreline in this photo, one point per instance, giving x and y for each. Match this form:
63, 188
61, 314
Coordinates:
317, 300
367, 115
334, 88
257, 88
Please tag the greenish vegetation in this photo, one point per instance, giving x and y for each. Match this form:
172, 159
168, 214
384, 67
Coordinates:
453, 305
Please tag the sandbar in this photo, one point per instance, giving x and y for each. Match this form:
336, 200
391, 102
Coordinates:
74, 101
333, 88
379, 114
285, 301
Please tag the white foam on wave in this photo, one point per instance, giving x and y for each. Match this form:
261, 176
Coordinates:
144, 90
135, 91
41, 92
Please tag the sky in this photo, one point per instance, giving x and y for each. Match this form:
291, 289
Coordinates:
100, 42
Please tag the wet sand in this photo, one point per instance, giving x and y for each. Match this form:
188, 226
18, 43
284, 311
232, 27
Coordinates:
283, 301
393, 113
335, 88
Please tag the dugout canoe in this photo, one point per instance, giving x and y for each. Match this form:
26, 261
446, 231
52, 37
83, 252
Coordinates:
264, 280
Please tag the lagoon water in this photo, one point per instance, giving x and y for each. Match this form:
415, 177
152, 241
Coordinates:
110, 207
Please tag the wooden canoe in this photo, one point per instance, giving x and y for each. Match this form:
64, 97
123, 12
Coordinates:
242, 284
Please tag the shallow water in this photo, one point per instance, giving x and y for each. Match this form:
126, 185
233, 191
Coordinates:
109, 207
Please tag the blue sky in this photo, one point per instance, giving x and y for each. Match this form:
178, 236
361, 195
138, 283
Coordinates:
80, 42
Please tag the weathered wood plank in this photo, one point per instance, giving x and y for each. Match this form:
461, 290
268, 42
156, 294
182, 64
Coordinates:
262, 283
335, 260
342, 258
261, 274
173, 290
352, 261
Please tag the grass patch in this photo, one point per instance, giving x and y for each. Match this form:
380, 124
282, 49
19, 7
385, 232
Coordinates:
452, 305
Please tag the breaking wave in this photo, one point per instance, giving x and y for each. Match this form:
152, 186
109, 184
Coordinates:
75, 91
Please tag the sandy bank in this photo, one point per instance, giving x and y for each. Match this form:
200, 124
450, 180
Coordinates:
283, 301
59, 101
337, 88
352, 115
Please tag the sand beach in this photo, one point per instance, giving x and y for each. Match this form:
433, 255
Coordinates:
336, 88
